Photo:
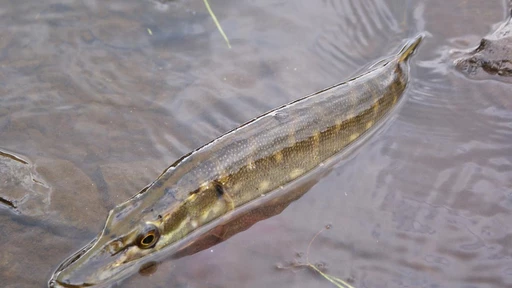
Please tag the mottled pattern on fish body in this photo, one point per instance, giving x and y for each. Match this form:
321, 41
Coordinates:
279, 146
240, 166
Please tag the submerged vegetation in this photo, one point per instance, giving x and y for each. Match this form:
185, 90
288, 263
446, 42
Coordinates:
217, 23
317, 267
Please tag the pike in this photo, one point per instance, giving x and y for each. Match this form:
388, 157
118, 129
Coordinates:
233, 170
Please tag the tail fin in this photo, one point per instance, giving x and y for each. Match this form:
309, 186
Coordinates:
409, 48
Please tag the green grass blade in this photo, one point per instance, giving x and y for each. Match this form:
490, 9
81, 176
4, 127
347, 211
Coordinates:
334, 280
217, 23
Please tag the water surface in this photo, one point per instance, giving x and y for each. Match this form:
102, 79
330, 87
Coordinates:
98, 97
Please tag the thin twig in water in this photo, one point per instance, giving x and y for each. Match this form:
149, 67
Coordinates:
217, 23
334, 280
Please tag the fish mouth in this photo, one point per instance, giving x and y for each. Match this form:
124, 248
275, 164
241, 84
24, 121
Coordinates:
58, 284
55, 281
76, 277
86, 269
74, 257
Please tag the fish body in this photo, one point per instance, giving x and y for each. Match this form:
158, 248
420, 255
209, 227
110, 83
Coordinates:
237, 168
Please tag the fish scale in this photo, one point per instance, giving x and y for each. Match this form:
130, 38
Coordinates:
252, 160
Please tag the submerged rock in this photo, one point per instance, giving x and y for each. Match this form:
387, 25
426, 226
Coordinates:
21, 188
493, 56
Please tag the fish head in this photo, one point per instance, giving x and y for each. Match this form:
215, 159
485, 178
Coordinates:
131, 232
140, 227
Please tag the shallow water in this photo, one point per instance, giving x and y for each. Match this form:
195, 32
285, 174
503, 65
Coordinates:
99, 97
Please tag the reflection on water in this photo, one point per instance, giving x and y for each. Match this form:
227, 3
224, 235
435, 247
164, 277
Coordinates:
99, 107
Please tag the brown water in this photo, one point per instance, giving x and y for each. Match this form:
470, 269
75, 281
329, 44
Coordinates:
98, 97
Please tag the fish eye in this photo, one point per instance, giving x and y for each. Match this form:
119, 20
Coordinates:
148, 237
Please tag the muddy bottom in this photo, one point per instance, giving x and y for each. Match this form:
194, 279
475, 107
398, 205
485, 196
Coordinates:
97, 98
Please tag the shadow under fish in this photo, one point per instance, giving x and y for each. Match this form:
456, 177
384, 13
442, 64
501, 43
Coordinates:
249, 174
